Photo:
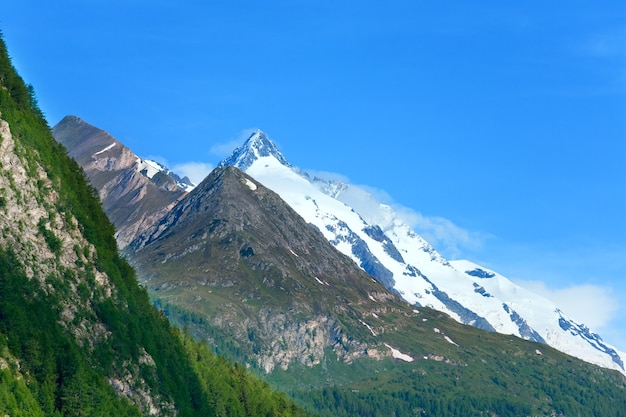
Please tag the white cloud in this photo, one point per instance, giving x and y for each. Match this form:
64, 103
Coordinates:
327, 175
608, 44
584, 279
594, 306
196, 171
157, 158
224, 149
442, 233
445, 236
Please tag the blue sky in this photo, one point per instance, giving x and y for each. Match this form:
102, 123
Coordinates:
500, 128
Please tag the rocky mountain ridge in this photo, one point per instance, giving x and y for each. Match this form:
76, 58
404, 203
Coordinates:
384, 246
241, 269
135, 192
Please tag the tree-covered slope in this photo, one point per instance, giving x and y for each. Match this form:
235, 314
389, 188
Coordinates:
78, 336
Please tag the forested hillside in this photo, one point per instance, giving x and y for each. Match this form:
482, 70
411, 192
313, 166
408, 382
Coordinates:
78, 336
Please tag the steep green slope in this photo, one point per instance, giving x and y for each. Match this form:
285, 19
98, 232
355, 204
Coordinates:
238, 392
78, 336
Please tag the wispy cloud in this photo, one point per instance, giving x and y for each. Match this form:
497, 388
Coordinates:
594, 305
327, 175
584, 279
607, 52
445, 236
157, 158
196, 171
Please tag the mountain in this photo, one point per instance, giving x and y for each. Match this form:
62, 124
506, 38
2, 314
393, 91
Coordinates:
135, 192
280, 284
377, 239
240, 268
78, 335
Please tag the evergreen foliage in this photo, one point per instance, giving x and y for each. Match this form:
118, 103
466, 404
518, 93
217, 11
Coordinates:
60, 371
233, 390
505, 384
446, 397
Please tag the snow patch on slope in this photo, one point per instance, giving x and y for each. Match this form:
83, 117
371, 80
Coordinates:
105, 149
150, 168
399, 355
251, 185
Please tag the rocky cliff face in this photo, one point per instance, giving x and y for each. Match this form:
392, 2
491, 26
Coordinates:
132, 199
383, 245
241, 269
45, 242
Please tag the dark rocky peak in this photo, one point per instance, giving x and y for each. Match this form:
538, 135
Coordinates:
232, 207
480, 273
233, 239
87, 144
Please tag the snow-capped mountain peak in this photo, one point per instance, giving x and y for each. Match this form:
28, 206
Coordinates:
383, 245
258, 145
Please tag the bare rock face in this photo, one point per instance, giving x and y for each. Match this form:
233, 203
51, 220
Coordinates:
131, 199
